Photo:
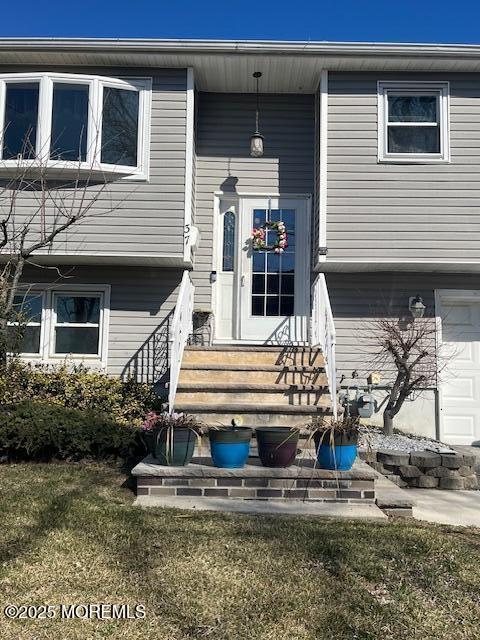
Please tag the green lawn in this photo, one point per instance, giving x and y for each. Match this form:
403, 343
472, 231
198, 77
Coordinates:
68, 535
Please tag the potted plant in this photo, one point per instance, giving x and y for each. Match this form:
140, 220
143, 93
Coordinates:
336, 443
170, 438
277, 446
230, 446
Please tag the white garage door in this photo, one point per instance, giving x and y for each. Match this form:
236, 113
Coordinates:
460, 382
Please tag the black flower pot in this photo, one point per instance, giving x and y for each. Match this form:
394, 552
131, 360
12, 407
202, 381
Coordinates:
277, 446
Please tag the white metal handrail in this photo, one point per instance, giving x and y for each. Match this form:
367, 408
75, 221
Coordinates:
180, 329
323, 333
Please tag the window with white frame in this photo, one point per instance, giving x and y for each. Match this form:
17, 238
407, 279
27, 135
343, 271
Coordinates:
413, 122
87, 123
26, 328
76, 324
69, 323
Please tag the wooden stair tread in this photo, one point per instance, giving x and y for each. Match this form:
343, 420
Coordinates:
280, 368
246, 386
308, 409
253, 348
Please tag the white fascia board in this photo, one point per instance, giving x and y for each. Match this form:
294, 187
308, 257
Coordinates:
239, 46
119, 259
431, 266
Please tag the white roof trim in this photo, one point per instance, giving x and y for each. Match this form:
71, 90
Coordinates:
228, 65
239, 46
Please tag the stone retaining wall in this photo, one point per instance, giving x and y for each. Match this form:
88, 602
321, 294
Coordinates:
425, 469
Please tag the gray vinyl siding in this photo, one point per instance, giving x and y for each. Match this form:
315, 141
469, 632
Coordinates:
149, 215
358, 299
142, 301
225, 124
415, 212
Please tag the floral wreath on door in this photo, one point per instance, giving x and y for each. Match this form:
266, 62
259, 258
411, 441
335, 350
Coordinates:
259, 235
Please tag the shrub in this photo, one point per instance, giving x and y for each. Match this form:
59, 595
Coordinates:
35, 430
125, 402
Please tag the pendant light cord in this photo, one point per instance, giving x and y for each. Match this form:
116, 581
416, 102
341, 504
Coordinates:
256, 115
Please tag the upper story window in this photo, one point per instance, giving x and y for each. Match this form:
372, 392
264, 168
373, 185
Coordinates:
413, 122
89, 124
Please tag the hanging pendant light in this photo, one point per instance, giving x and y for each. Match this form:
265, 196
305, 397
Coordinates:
256, 141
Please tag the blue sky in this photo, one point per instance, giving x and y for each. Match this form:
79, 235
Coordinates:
352, 20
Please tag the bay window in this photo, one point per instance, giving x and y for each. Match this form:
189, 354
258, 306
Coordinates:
21, 118
69, 122
413, 122
119, 127
75, 122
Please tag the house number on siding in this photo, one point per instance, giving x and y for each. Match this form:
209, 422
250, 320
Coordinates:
186, 234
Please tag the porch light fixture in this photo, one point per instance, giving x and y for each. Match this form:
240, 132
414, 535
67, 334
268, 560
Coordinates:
256, 141
416, 307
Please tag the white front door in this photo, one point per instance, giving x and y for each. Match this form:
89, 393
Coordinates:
263, 296
460, 381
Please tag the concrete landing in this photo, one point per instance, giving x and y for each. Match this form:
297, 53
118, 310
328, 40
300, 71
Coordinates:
253, 507
391, 499
459, 508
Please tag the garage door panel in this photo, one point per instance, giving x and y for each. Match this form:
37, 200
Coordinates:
459, 426
458, 316
462, 389
462, 353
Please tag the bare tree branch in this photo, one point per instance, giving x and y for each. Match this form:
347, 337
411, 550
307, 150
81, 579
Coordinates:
410, 351
36, 209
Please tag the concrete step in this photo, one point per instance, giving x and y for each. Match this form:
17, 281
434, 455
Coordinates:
262, 507
254, 415
248, 355
296, 489
393, 500
256, 394
252, 374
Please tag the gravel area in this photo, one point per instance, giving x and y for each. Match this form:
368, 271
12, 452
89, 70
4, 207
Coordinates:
374, 438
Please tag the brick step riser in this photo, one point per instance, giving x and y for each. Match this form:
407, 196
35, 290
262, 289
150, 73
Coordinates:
289, 358
211, 418
259, 489
253, 397
252, 377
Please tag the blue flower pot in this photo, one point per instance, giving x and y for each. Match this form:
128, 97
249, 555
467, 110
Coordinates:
338, 455
230, 448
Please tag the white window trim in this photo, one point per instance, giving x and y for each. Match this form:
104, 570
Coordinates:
47, 330
41, 324
442, 89
92, 164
